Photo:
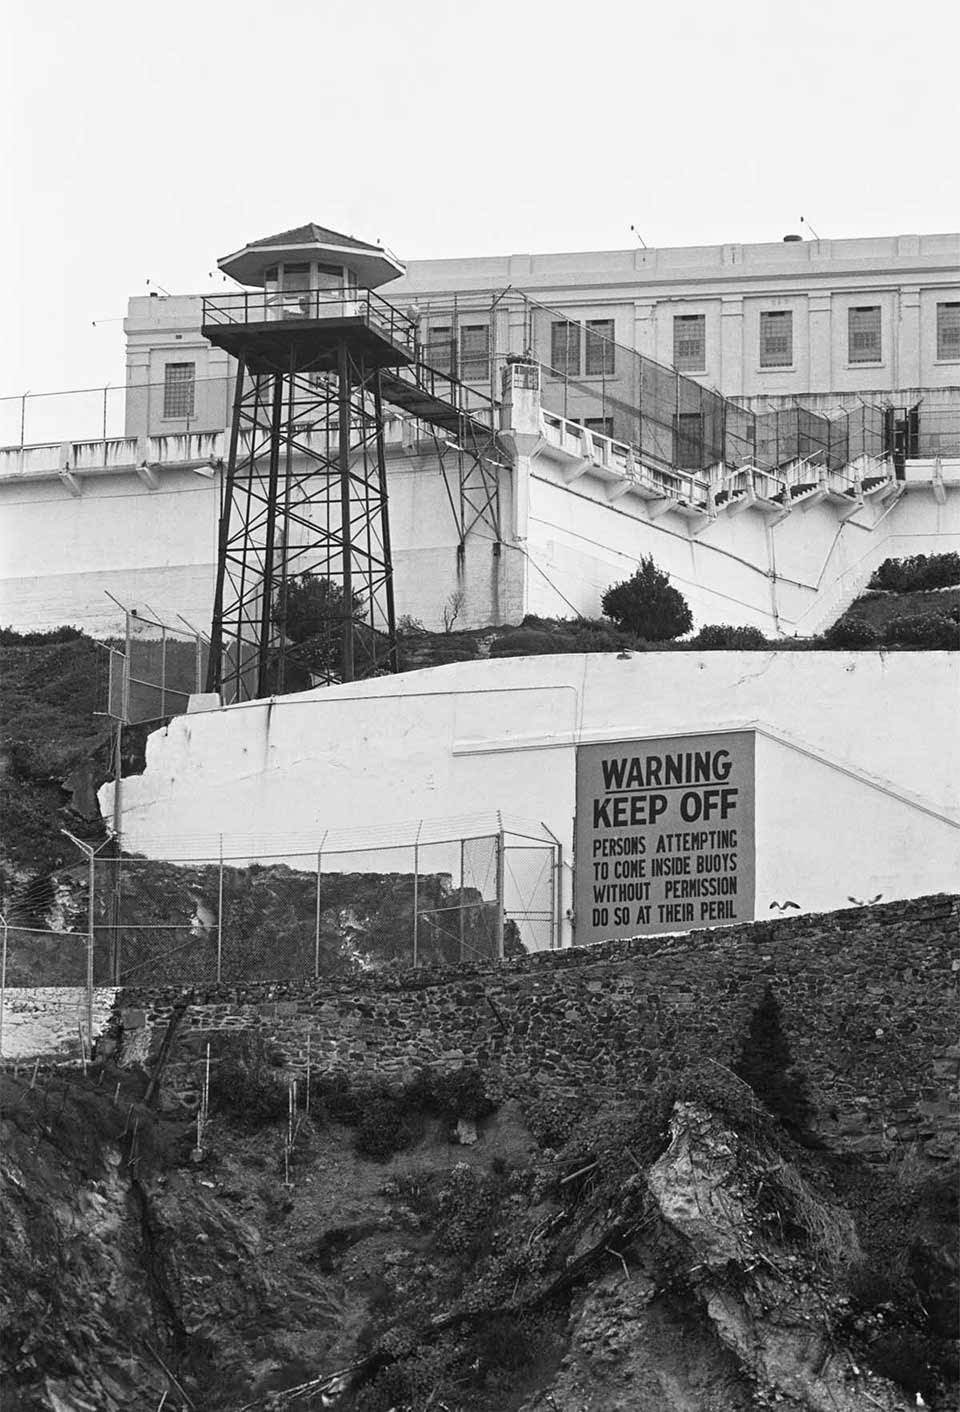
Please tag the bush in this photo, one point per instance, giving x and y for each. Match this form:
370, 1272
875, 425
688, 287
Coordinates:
724, 635
9, 637
387, 1124
530, 643
934, 631
387, 1118
251, 1098
647, 604
852, 632
919, 572
765, 1063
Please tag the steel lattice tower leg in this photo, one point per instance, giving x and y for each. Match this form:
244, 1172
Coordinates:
304, 590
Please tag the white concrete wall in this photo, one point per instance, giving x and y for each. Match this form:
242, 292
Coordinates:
793, 577
856, 762
45, 1022
60, 553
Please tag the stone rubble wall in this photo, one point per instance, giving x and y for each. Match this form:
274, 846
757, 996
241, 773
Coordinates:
867, 995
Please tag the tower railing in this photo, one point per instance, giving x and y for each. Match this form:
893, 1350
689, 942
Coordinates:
315, 305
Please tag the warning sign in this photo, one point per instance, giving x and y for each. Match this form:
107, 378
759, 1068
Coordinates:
664, 837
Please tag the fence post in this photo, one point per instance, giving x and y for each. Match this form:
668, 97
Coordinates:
220, 916
500, 865
90, 942
3, 974
316, 930
416, 894
463, 844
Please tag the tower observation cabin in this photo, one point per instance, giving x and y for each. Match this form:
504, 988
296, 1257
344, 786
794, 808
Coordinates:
304, 592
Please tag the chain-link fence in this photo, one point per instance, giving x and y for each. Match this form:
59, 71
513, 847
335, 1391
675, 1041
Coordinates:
156, 670
350, 904
99, 414
327, 912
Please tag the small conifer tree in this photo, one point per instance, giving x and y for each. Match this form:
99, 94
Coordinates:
765, 1063
647, 604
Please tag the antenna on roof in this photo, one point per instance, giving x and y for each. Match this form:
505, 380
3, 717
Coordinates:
161, 289
639, 237
809, 228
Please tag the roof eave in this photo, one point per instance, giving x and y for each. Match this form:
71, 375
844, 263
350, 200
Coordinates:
346, 254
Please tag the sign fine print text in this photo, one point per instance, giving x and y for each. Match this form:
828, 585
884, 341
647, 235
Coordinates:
664, 837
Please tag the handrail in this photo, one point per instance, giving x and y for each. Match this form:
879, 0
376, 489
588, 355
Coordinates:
293, 306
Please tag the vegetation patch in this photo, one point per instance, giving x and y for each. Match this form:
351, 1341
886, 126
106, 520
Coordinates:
389, 1118
917, 574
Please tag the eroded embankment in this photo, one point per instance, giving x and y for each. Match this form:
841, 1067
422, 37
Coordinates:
425, 1247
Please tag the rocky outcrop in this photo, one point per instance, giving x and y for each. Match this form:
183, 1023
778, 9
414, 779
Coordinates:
772, 1301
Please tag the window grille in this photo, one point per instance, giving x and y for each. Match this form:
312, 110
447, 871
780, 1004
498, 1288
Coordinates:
776, 339
179, 387
565, 349
690, 343
438, 349
863, 334
948, 332
600, 348
475, 352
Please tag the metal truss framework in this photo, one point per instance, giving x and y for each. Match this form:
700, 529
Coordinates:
471, 465
304, 591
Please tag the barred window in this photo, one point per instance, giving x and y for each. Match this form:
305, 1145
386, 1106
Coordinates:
179, 386
438, 349
690, 343
863, 334
600, 348
948, 332
776, 338
565, 349
600, 426
475, 352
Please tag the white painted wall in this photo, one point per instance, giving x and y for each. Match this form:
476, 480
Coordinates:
60, 553
857, 759
792, 578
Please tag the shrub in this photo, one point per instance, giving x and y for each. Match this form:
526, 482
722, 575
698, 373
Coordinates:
919, 572
934, 631
9, 637
647, 604
387, 1118
249, 1097
852, 632
387, 1124
725, 635
765, 1063
530, 643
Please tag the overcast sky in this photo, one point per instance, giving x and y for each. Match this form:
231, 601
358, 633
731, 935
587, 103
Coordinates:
144, 141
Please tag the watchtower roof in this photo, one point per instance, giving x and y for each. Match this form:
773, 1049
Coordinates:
370, 263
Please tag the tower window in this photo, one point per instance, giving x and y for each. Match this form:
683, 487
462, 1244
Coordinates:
776, 338
863, 334
179, 388
600, 348
948, 332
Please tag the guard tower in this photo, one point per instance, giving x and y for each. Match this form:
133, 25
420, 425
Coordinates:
304, 587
